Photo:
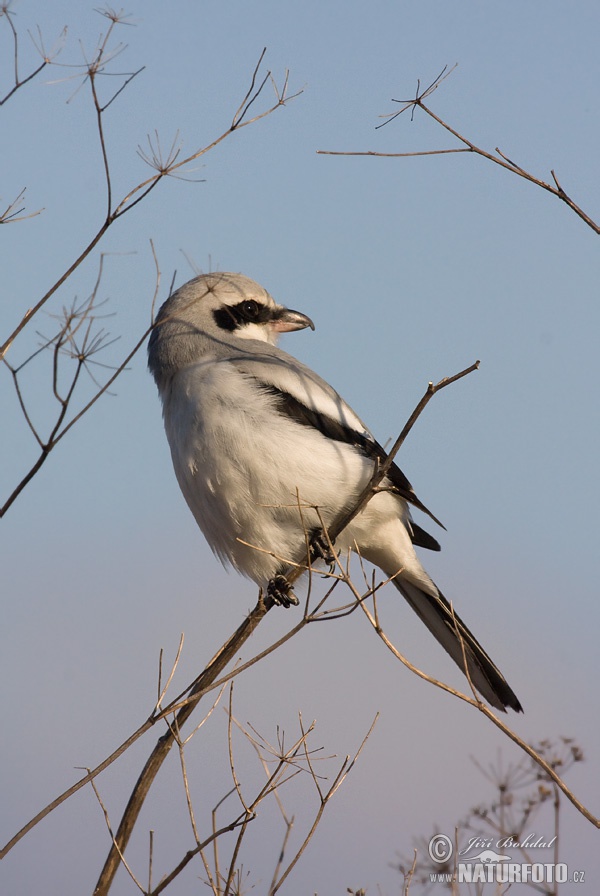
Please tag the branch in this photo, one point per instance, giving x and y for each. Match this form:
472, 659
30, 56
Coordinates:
382, 468
164, 744
165, 167
12, 213
478, 704
82, 352
468, 146
47, 58
345, 769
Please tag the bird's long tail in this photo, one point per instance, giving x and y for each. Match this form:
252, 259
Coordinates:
454, 636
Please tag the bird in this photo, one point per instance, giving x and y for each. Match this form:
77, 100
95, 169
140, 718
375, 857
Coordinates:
265, 452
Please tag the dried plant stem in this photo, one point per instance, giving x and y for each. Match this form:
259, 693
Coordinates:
19, 82
478, 704
164, 744
382, 468
58, 430
555, 188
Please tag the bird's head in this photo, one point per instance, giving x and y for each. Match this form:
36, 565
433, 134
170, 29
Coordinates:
218, 306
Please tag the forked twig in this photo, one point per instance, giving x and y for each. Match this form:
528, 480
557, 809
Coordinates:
382, 468
112, 836
173, 164
499, 158
324, 797
47, 58
163, 690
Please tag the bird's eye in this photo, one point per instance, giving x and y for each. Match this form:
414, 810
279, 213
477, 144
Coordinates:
250, 309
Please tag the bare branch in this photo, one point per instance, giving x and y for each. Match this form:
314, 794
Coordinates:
383, 467
163, 691
109, 828
135, 195
251, 94
547, 768
168, 879
388, 155
150, 860
499, 158
47, 58
77, 786
345, 769
168, 167
60, 427
236, 783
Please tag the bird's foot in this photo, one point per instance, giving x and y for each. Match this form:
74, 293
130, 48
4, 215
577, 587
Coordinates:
321, 550
280, 591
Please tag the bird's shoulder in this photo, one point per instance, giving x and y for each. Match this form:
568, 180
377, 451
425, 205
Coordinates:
300, 391
300, 395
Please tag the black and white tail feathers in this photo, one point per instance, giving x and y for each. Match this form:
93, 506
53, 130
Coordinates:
449, 629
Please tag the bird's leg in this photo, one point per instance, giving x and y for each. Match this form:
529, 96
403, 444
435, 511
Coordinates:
280, 590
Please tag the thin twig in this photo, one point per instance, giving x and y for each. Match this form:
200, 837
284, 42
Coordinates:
382, 468
345, 769
478, 704
12, 214
163, 691
236, 783
139, 192
109, 828
499, 158
168, 879
18, 81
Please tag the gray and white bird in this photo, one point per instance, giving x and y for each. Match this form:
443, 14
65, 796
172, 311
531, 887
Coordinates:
258, 440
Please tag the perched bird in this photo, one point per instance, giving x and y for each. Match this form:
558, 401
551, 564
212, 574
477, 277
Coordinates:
258, 440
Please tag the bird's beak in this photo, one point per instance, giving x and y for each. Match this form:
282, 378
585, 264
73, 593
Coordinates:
285, 319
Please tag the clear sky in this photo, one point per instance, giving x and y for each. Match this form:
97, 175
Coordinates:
411, 269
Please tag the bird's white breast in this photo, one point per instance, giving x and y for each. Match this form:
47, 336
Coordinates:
249, 473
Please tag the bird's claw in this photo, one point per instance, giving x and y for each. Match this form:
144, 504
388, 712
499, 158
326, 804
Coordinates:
280, 591
321, 550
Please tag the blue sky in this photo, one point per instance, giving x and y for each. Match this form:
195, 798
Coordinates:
411, 269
